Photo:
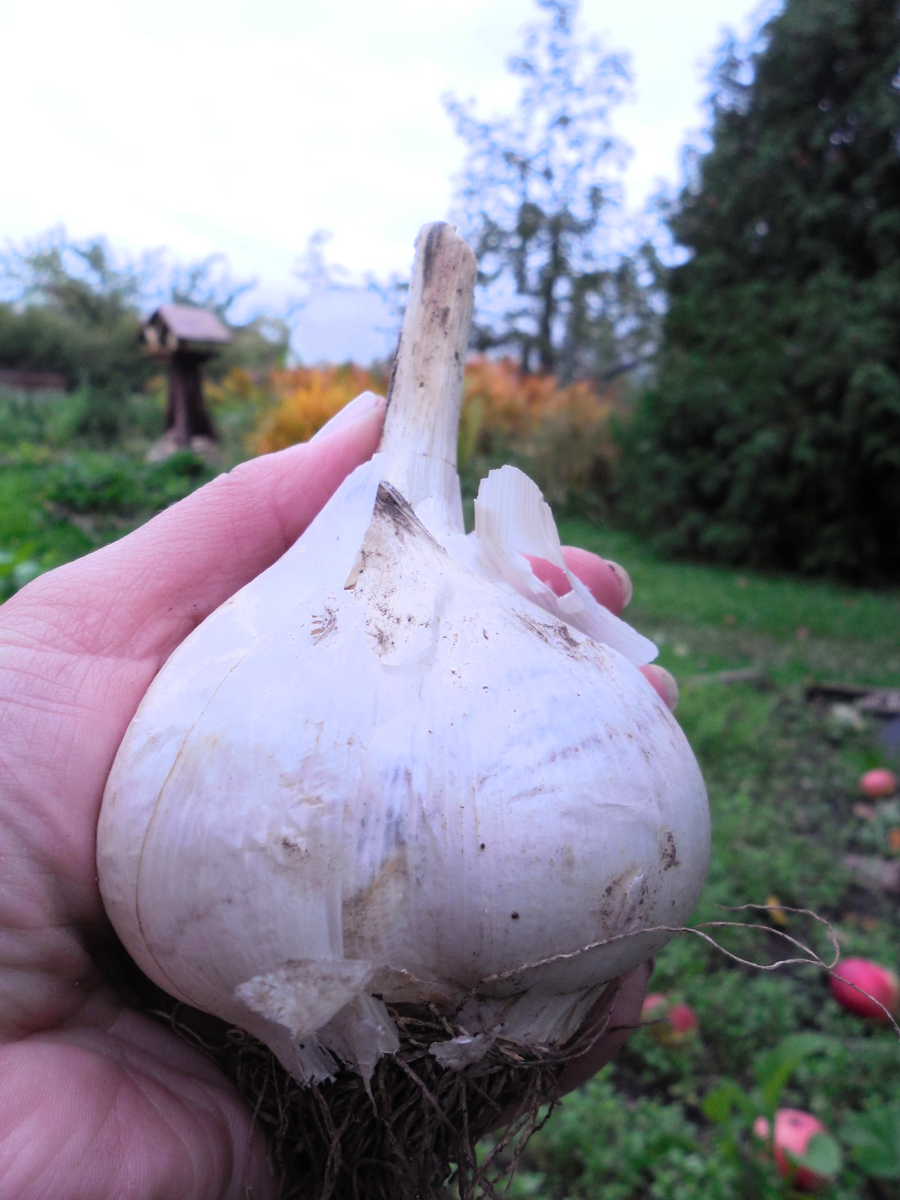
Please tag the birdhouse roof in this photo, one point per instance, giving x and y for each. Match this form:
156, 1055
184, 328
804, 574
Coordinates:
189, 324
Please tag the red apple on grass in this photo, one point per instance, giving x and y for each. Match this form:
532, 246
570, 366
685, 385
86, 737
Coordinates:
794, 1130
879, 982
879, 782
676, 1024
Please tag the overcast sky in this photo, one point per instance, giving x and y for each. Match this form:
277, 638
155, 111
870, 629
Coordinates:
224, 126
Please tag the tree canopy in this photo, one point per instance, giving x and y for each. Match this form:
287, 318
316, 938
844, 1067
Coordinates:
772, 437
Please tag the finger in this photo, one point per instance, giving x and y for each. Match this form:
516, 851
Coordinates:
608, 583
143, 595
615, 1016
662, 683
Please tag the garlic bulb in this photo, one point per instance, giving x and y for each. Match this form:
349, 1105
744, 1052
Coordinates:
398, 769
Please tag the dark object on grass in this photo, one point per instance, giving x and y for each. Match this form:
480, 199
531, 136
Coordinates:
185, 337
889, 739
33, 381
874, 701
748, 675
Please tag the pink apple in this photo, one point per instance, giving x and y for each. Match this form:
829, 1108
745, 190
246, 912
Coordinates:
879, 782
879, 982
678, 1022
794, 1130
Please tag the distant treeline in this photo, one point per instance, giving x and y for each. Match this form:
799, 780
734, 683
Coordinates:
762, 426
75, 308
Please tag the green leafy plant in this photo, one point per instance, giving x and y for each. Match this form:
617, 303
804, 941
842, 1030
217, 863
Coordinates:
115, 485
735, 1110
874, 1139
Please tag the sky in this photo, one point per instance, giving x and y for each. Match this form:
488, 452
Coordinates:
222, 126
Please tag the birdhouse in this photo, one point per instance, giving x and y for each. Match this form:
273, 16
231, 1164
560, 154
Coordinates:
183, 329
185, 338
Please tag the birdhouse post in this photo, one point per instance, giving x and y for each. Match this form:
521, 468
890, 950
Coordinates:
185, 338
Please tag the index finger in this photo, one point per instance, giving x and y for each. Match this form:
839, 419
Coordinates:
608, 583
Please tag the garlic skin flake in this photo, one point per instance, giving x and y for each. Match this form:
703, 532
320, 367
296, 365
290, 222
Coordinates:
396, 768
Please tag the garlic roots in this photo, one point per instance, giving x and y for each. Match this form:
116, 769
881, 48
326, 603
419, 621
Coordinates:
398, 769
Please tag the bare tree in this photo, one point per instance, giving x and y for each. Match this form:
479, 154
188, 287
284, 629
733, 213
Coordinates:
536, 190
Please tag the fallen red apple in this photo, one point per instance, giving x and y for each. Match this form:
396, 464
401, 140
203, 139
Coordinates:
879, 982
676, 1024
794, 1129
878, 782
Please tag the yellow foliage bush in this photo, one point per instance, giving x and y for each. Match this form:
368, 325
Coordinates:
239, 387
307, 397
515, 405
559, 435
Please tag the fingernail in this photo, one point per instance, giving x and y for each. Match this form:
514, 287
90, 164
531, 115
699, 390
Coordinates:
364, 403
624, 579
663, 683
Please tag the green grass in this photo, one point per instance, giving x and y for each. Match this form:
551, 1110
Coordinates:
782, 778
62, 494
67, 504
711, 618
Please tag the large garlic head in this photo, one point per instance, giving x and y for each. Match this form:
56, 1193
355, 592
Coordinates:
394, 770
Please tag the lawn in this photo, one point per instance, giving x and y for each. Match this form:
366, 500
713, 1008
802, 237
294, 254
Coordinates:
667, 1123
782, 776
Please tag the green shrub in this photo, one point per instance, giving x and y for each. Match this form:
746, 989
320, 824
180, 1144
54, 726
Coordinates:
601, 1144
118, 486
86, 417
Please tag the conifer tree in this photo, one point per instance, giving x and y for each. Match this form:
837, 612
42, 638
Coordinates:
772, 437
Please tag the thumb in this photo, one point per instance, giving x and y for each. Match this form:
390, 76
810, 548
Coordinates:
141, 596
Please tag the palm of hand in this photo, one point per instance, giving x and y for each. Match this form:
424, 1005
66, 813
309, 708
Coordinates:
98, 1099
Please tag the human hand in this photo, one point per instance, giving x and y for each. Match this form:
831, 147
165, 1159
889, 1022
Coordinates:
98, 1099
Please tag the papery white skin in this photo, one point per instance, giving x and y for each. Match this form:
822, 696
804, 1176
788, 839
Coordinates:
379, 771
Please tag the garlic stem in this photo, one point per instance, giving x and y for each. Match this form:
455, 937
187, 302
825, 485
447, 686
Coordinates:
425, 396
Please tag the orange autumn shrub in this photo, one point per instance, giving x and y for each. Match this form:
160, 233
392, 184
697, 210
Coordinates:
305, 398
510, 402
501, 402
559, 436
